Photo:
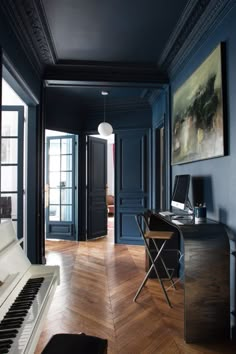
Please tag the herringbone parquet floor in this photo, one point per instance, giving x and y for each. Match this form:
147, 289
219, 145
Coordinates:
98, 282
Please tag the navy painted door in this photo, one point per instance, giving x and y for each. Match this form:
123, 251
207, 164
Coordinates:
96, 190
132, 182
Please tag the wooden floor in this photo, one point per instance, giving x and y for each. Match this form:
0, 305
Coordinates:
98, 282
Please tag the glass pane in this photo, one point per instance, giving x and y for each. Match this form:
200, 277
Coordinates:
66, 146
9, 123
54, 163
66, 163
8, 178
9, 150
54, 179
54, 196
54, 213
54, 147
66, 213
66, 196
66, 179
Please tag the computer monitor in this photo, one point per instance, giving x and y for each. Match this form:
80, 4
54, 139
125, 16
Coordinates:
180, 192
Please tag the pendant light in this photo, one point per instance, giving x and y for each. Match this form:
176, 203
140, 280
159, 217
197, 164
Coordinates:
104, 128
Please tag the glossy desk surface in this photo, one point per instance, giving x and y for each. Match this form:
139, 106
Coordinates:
206, 276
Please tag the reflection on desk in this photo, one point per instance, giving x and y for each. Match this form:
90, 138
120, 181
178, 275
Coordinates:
177, 222
206, 275
190, 217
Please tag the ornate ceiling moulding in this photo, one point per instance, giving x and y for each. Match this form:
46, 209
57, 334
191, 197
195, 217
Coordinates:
198, 20
27, 20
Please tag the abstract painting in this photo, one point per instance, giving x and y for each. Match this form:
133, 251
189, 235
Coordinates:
197, 121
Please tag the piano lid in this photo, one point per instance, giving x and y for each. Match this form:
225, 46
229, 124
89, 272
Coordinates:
13, 261
7, 235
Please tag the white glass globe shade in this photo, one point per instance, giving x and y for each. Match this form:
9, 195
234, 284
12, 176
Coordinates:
105, 129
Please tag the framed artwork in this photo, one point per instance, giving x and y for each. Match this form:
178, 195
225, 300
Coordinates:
197, 120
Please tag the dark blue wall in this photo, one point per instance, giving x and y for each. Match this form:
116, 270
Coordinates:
65, 112
219, 174
159, 109
122, 120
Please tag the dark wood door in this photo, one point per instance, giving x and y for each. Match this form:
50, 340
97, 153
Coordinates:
96, 188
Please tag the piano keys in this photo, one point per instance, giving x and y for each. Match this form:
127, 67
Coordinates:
26, 292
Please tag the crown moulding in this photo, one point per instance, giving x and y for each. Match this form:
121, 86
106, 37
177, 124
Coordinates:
28, 20
28, 23
197, 22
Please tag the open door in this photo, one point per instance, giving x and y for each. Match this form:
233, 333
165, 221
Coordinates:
96, 187
12, 150
60, 182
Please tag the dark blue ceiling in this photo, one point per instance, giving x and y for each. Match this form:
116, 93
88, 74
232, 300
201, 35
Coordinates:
118, 32
125, 31
130, 47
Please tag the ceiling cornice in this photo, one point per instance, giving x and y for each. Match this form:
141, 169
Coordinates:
28, 20
198, 20
29, 24
104, 73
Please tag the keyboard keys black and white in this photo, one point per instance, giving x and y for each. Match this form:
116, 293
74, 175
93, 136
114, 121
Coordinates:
26, 292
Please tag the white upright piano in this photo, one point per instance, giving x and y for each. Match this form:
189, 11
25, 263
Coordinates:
26, 292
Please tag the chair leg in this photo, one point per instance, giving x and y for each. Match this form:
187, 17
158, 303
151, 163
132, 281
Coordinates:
164, 266
158, 277
145, 278
157, 274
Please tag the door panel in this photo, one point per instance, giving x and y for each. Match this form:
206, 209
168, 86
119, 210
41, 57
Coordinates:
12, 150
96, 191
60, 187
132, 182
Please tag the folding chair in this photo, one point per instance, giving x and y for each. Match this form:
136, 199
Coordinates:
162, 237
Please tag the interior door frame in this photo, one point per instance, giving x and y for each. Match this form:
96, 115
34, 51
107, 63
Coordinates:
147, 82
160, 180
20, 167
35, 222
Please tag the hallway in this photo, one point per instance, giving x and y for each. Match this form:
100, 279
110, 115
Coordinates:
98, 282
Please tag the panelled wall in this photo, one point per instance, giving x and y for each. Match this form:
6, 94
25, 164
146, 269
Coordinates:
132, 182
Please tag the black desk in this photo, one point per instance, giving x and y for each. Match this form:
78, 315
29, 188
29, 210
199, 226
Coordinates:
206, 277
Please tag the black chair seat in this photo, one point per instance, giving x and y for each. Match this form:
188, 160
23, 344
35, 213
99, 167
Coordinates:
65, 343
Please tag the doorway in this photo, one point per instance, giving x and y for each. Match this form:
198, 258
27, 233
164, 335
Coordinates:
110, 191
160, 169
13, 161
100, 186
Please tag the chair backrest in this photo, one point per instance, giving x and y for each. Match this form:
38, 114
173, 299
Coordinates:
142, 220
